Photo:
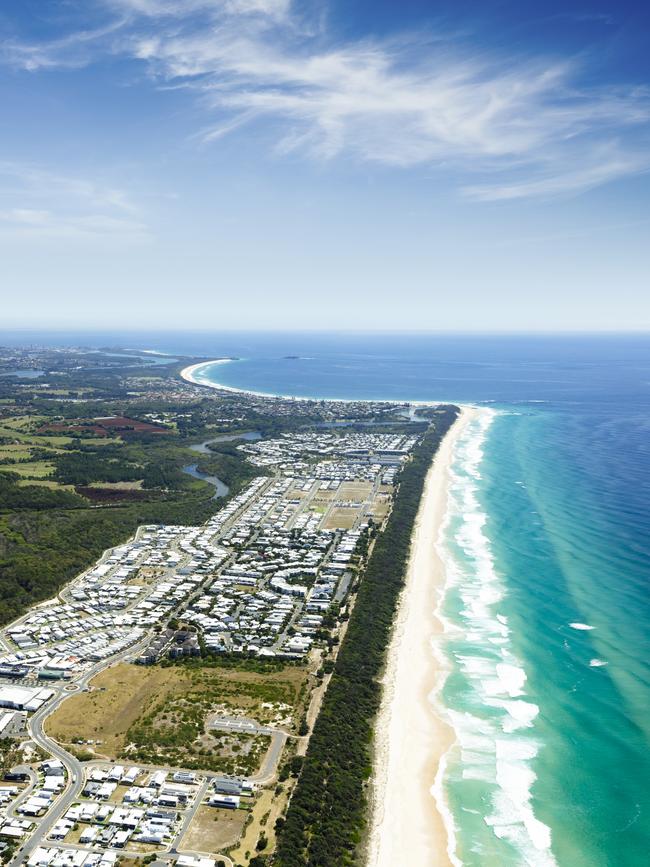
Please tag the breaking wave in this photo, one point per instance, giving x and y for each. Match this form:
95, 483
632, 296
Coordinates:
489, 771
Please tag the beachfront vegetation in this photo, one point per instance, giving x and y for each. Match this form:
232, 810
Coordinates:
326, 814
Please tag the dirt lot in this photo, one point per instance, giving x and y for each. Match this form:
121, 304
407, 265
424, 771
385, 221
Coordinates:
164, 708
116, 700
380, 506
340, 519
295, 494
357, 492
213, 830
267, 809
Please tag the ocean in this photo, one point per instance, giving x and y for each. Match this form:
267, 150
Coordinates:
547, 548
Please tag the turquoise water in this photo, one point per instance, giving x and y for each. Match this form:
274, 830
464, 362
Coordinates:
547, 535
548, 552
551, 716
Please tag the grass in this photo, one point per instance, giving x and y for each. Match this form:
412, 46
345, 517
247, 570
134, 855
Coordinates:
13, 428
341, 519
268, 807
157, 714
119, 486
44, 483
326, 496
31, 470
212, 830
295, 495
15, 451
20, 422
355, 491
380, 507
117, 698
22, 429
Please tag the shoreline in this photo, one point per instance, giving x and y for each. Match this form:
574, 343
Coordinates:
409, 821
189, 375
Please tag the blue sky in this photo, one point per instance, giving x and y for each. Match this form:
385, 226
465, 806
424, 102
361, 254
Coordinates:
342, 164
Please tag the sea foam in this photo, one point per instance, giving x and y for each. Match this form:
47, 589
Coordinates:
492, 715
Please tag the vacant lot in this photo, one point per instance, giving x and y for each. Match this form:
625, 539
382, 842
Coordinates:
157, 714
341, 519
213, 830
357, 492
295, 494
380, 506
117, 698
325, 496
268, 807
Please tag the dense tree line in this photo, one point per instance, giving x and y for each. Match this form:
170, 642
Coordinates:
14, 496
84, 467
326, 814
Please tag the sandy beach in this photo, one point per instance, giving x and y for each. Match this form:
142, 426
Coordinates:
407, 824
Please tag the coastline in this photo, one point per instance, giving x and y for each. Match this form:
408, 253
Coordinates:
409, 820
189, 375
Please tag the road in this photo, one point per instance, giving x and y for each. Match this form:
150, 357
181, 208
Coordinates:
74, 782
12, 809
189, 815
74, 770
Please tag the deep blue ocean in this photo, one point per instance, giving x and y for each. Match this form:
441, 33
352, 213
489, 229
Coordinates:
548, 549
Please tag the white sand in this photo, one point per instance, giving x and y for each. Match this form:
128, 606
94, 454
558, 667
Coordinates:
407, 825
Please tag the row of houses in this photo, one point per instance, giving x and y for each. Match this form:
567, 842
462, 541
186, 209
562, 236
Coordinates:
291, 449
250, 572
44, 856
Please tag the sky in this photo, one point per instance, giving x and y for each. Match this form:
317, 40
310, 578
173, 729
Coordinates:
459, 165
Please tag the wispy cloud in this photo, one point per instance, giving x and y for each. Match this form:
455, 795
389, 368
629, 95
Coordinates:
73, 51
46, 205
28, 224
183, 8
604, 164
512, 127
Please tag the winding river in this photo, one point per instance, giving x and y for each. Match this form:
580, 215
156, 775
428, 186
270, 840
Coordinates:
221, 489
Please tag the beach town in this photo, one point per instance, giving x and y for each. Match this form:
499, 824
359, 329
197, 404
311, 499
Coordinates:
271, 575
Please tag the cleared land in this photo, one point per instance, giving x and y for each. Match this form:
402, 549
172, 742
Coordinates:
116, 699
267, 809
212, 829
157, 715
342, 519
26, 449
356, 492
380, 507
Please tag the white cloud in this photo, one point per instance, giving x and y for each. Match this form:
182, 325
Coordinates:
371, 101
607, 164
520, 127
183, 8
24, 223
72, 51
47, 205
